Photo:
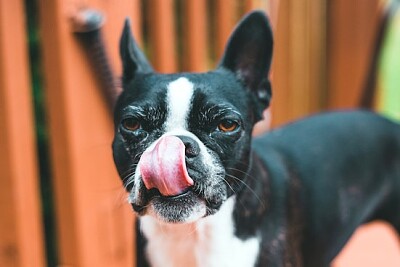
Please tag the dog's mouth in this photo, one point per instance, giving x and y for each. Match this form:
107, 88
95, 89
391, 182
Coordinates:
188, 206
145, 198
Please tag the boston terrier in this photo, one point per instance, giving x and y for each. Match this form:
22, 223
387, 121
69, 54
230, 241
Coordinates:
208, 194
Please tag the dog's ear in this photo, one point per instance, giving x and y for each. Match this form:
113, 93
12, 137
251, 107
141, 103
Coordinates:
249, 53
133, 59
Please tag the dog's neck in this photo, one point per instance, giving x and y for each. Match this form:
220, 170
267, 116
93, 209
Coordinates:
202, 243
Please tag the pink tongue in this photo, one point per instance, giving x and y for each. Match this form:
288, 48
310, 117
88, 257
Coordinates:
164, 167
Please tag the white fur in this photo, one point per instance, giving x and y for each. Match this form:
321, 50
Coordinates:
209, 242
179, 98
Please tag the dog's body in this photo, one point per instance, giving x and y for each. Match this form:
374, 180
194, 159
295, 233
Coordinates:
209, 196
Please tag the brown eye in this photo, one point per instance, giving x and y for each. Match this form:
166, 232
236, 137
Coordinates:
131, 124
227, 126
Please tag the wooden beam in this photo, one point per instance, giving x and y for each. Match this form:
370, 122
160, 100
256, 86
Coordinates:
21, 242
250, 5
299, 83
195, 35
225, 22
352, 29
162, 35
94, 224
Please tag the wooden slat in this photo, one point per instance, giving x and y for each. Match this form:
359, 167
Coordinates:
298, 74
195, 36
280, 66
273, 11
94, 224
308, 60
256, 4
317, 24
21, 233
299, 60
225, 22
162, 35
352, 29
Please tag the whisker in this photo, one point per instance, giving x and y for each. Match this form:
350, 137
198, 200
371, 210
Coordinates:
245, 164
243, 172
226, 182
251, 190
129, 170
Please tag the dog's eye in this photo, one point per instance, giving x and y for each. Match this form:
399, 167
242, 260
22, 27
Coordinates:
131, 124
227, 126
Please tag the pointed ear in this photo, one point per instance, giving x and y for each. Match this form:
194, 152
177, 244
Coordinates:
133, 59
249, 53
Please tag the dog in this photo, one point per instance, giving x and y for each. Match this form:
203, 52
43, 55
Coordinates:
208, 194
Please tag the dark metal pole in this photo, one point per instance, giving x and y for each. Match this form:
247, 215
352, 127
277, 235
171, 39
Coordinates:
87, 25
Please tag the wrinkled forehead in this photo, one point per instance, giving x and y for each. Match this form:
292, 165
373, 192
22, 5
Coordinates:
179, 94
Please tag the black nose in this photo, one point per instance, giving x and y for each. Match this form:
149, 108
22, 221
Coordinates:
192, 148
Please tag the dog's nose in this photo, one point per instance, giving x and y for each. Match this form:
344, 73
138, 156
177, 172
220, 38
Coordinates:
192, 148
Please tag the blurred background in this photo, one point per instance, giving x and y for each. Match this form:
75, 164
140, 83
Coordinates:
61, 201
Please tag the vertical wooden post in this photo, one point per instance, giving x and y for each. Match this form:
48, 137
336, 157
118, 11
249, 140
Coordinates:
280, 65
195, 35
352, 28
21, 233
225, 22
299, 59
94, 222
163, 36
256, 4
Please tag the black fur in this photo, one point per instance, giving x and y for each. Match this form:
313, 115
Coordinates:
304, 188
326, 175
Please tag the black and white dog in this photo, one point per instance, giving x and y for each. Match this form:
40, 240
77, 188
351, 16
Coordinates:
209, 195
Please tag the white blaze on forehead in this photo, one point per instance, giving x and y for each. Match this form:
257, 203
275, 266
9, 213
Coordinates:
179, 98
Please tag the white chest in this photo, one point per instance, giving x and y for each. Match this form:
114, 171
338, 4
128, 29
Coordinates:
209, 242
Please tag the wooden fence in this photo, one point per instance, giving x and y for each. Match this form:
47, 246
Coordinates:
322, 49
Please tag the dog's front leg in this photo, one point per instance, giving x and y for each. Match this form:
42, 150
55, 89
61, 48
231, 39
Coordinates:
280, 251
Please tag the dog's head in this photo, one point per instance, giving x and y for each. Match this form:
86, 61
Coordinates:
182, 141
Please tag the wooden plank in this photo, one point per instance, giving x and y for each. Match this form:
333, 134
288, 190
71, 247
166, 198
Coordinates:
317, 24
21, 242
299, 75
272, 10
299, 60
352, 28
308, 80
225, 22
94, 224
250, 5
281, 66
162, 35
195, 36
